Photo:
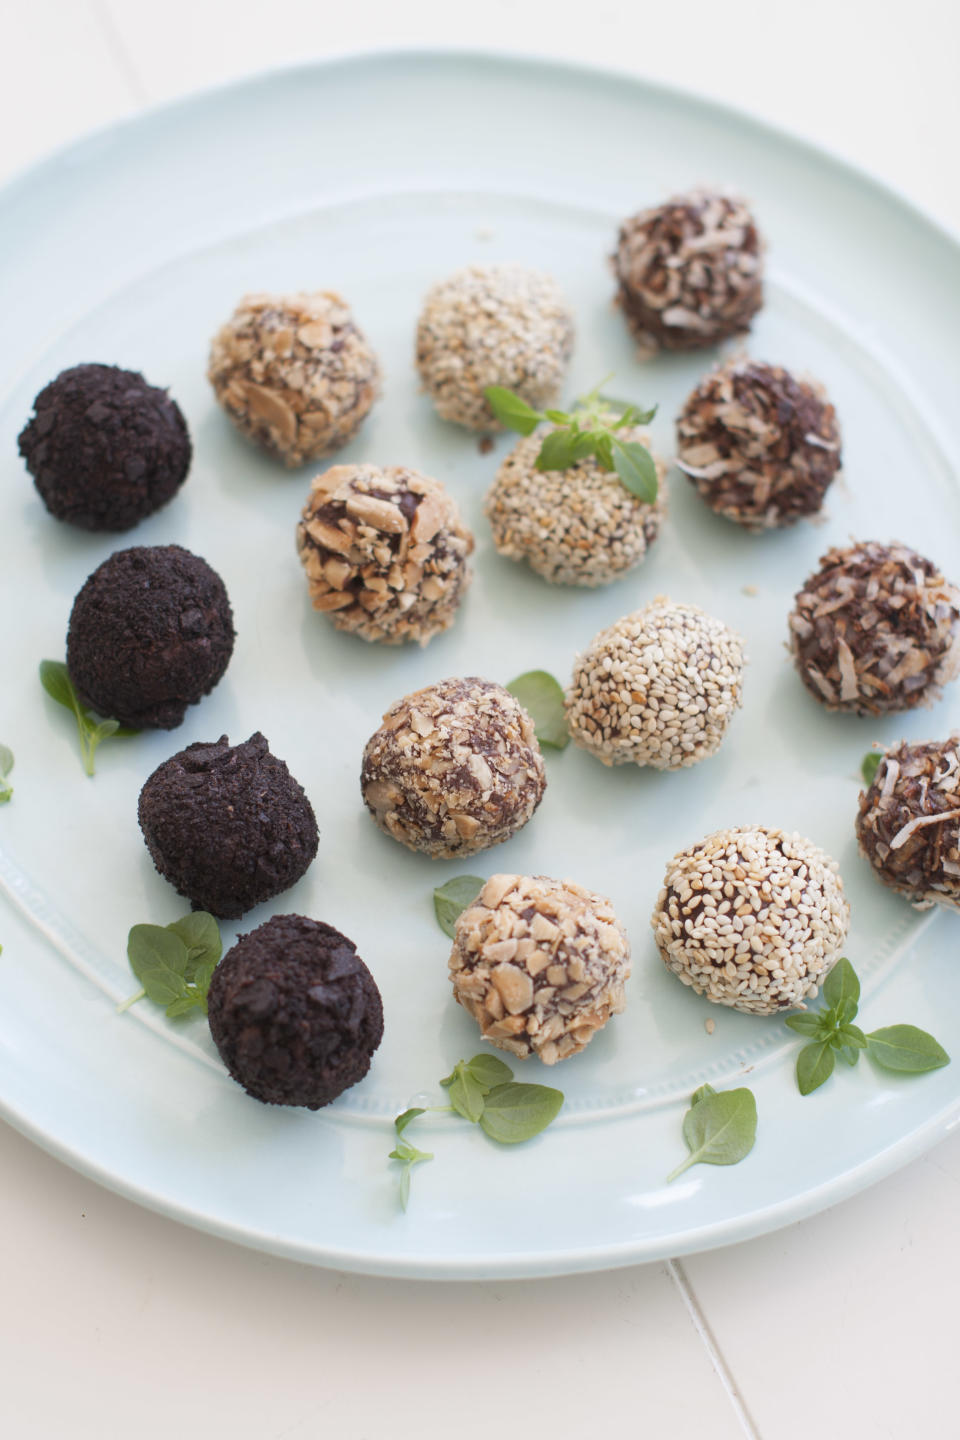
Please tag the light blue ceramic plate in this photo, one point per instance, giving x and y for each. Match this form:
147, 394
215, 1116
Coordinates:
374, 176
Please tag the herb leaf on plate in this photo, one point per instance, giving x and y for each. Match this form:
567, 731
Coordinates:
173, 973
870, 765
451, 899
55, 679
542, 697
905, 1048
513, 1112
719, 1128
6, 765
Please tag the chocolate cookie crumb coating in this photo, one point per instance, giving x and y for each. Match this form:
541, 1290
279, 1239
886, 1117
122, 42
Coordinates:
295, 1013
105, 449
453, 769
689, 272
492, 325
227, 825
908, 824
540, 964
579, 526
761, 447
385, 552
659, 687
876, 630
294, 373
151, 632
752, 918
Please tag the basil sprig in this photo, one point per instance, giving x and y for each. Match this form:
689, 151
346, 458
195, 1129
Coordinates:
174, 963
6, 765
483, 1091
719, 1128
542, 697
55, 679
831, 1034
592, 428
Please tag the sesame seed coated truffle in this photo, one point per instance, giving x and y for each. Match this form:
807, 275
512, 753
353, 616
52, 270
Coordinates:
105, 449
294, 1012
579, 526
151, 632
876, 630
294, 373
385, 552
690, 271
453, 769
492, 325
908, 824
760, 446
658, 687
752, 918
540, 964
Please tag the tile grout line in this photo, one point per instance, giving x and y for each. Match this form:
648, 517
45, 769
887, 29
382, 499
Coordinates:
121, 55
685, 1290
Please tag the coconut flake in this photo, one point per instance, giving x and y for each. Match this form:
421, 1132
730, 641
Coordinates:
919, 822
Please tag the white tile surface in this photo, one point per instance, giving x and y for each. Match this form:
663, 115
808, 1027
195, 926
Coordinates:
115, 1322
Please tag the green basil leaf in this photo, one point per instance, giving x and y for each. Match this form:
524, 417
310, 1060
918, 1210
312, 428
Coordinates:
511, 411
849, 1053
808, 1023
55, 679
451, 899
703, 1093
409, 1153
558, 451
6, 765
159, 960
513, 1112
603, 449
402, 1121
719, 1129
488, 1071
201, 935
814, 1066
870, 765
466, 1095
542, 697
559, 417
905, 1048
193, 1000
854, 1036
636, 468
842, 986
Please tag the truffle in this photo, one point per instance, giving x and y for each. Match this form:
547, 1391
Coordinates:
105, 449
385, 552
690, 271
579, 526
658, 687
876, 630
761, 447
752, 918
227, 825
908, 824
295, 1013
151, 632
492, 325
453, 769
540, 964
294, 373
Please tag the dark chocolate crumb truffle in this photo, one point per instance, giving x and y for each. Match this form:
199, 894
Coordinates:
876, 630
105, 449
689, 272
151, 632
227, 825
761, 446
908, 824
295, 1013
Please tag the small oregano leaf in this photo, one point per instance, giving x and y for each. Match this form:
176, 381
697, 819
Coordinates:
55, 679
172, 972
6, 765
870, 765
408, 1155
513, 1112
451, 899
905, 1048
719, 1128
542, 697
814, 1066
489, 1071
402, 1121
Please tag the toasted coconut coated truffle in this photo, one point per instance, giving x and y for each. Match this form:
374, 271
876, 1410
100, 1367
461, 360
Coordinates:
761, 447
294, 373
752, 918
690, 272
105, 449
876, 630
385, 552
453, 769
227, 825
908, 824
579, 526
295, 1013
540, 964
492, 325
657, 688
151, 632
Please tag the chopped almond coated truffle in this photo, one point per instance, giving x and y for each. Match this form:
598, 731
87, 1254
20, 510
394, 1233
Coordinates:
540, 964
453, 769
385, 552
